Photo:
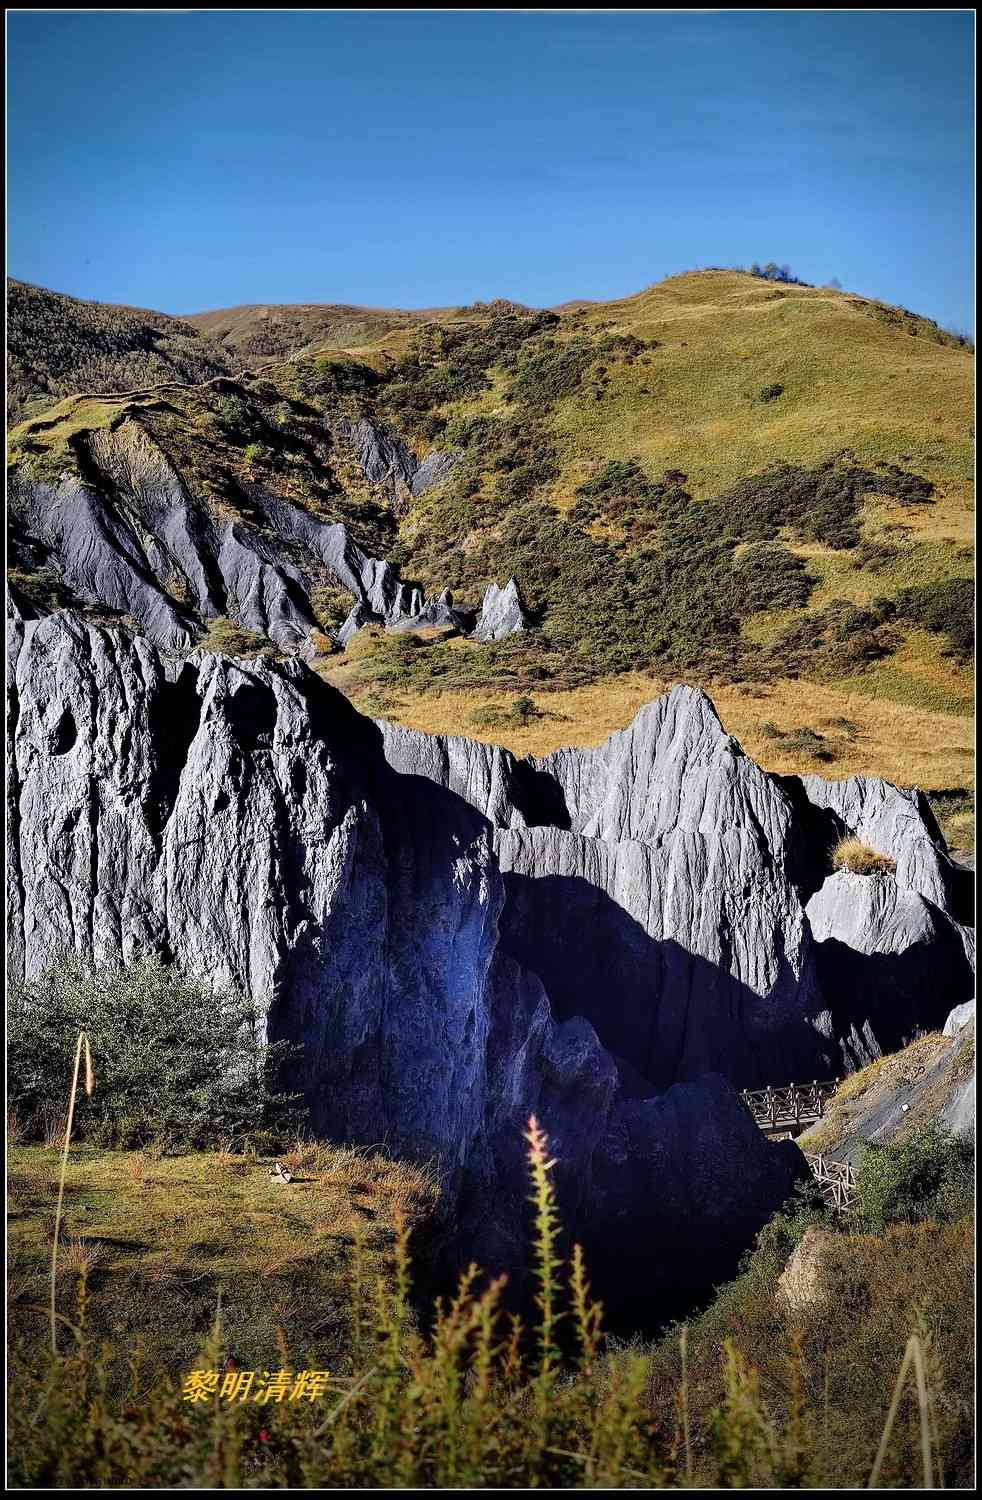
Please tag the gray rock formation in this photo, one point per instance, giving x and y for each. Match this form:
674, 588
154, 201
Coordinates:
958, 1114
501, 613
372, 891
459, 938
666, 888
131, 538
959, 1018
931, 1083
388, 461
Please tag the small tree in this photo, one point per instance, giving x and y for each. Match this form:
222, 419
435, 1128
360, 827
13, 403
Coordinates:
177, 1062
524, 710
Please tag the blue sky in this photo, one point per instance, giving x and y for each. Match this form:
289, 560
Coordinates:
184, 161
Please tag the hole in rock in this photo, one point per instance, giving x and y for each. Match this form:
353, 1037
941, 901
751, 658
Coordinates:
251, 713
172, 720
65, 734
538, 797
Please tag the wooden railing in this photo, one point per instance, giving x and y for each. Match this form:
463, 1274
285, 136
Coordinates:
837, 1179
789, 1109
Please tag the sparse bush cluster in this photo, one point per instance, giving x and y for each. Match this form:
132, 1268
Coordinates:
771, 271
638, 572
836, 641
947, 607
928, 1177
225, 637
178, 1063
521, 711
450, 363
58, 345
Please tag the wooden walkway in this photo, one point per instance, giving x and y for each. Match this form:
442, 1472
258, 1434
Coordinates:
787, 1112
837, 1179
790, 1110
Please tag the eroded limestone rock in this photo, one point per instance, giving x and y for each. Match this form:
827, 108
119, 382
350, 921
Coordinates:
240, 818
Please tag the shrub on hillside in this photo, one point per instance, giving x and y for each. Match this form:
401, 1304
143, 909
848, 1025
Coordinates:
929, 1176
947, 607
225, 637
552, 372
768, 576
175, 1062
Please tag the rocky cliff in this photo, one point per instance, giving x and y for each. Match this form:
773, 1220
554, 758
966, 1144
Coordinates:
612, 938
130, 534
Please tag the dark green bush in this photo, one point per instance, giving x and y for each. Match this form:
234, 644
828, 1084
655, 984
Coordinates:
931, 1175
552, 372
947, 607
175, 1062
768, 576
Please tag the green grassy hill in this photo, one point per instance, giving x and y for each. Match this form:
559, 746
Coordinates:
765, 489
58, 345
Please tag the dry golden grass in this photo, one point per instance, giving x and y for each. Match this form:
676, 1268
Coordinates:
79, 1257
907, 745
54, 1129
209, 1226
136, 1169
852, 855
212, 1206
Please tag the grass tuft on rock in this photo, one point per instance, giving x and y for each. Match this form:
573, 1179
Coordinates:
857, 858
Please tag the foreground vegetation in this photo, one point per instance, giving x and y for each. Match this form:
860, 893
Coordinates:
201, 1264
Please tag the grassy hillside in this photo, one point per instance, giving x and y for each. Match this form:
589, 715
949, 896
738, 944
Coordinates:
163, 1238
622, 464
765, 489
58, 345
260, 332
185, 1264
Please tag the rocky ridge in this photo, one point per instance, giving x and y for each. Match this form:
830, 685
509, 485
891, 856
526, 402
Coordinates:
129, 535
615, 939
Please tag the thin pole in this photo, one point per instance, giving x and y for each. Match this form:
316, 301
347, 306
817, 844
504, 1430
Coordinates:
82, 1039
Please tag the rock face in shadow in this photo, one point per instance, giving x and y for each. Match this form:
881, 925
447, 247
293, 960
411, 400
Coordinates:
612, 939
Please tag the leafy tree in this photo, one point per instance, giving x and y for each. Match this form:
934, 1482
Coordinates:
928, 1176
175, 1061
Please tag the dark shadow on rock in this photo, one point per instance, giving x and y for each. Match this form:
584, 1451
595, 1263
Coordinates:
538, 797
173, 719
898, 995
962, 886
669, 1014
817, 831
